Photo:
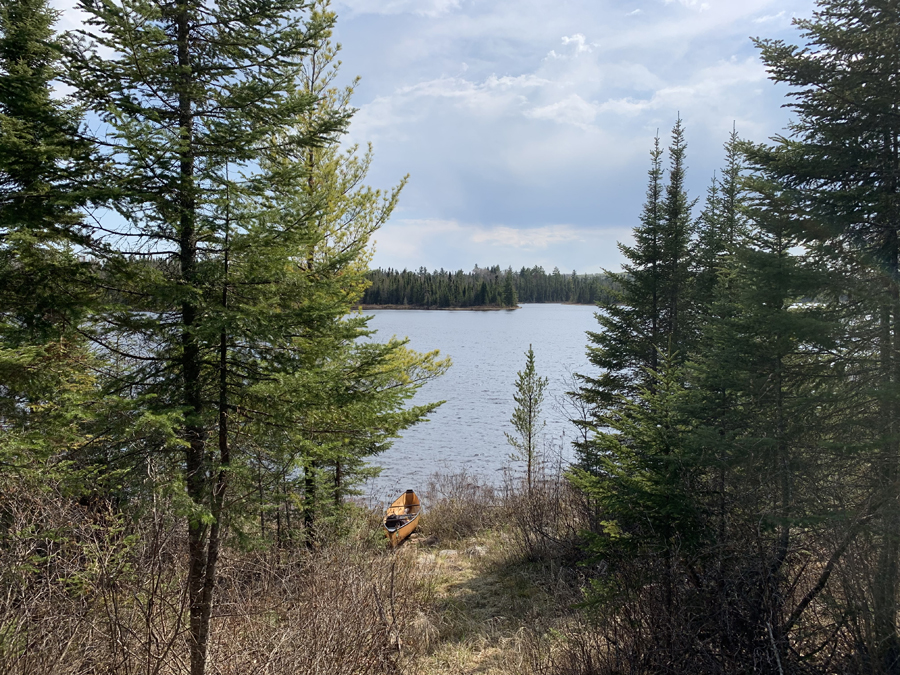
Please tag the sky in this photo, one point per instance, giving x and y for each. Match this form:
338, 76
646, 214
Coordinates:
526, 125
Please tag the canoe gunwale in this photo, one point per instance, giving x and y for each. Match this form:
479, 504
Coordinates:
405, 511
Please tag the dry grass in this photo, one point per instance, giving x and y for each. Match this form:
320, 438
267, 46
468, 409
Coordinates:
491, 602
113, 601
342, 610
487, 605
84, 592
457, 506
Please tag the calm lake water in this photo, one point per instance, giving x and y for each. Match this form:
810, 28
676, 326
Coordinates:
487, 349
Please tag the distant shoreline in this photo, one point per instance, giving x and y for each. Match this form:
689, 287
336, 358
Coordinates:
478, 308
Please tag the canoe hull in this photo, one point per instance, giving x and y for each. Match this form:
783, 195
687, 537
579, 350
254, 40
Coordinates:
402, 517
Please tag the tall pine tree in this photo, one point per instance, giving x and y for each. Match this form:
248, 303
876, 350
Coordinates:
44, 288
43, 164
719, 228
762, 394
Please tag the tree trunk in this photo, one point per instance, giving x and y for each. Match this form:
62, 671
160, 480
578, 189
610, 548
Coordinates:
885, 582
203, 541
338, 481
309, 502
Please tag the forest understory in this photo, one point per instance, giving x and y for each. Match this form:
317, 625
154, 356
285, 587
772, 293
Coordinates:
457, 597
493, 583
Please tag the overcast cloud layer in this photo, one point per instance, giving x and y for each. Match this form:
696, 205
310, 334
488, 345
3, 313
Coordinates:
526, 125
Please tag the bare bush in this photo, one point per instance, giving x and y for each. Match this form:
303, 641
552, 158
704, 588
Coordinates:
84, 594
458, 505
340, 610
736, 619
545, 520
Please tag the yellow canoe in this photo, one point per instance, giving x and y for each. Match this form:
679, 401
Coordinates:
402, 517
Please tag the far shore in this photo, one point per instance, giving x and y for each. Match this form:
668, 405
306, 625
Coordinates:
478, 308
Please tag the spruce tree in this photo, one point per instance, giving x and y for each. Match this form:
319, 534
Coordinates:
642, 482
840, 162
630, 321
526, 418
191, 96
45, 289
762, 394
346, 213
508, 296
43, 163
675, 238
706, 483
648, 313
719, 228
231, 265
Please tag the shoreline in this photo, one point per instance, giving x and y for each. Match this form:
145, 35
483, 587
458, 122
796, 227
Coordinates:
477, 308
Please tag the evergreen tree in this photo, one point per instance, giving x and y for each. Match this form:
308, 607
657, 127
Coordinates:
630, 321
706, 483
648, 310
719, 228
508, 298
461, 289
347, 213
232, 263
42, 167
642, 483
762, 395
674, 242
841, 164
44, 289
526, 418
190, 94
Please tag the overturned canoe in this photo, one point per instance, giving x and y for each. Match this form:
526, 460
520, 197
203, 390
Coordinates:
402, 517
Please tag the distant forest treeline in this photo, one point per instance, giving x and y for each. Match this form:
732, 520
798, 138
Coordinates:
482, 287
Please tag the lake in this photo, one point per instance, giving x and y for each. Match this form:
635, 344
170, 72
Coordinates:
487, 349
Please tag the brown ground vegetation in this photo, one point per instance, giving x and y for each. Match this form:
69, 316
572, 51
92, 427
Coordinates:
492, 583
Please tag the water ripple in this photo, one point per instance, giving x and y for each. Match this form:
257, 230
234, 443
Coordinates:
487, 348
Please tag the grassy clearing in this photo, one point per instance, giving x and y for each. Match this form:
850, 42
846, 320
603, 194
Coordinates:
490, 611
458, 598
478, 611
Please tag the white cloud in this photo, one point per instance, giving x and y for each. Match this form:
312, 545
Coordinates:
769, 17
495, 96
427, 8
413, 243
407, 239
552, 120
515, 115
692, 4
533, 238
579, 41
471, 92
629, 75
571, 110
577, 46
707, 91
625, 106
